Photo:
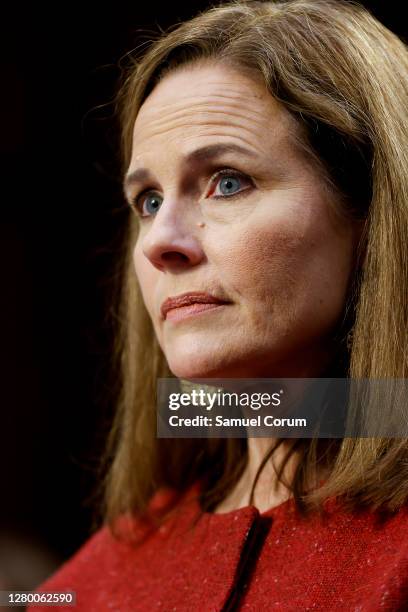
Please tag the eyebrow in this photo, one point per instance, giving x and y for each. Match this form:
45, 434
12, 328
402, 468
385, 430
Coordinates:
203, 154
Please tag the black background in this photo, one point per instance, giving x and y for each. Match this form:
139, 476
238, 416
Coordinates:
60, 230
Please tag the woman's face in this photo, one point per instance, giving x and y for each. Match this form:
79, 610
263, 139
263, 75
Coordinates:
231, 208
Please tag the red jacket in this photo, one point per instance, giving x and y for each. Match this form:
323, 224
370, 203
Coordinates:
244, 560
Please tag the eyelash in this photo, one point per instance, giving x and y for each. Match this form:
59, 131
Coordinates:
138, 208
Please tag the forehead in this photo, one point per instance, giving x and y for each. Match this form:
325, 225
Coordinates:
212, 100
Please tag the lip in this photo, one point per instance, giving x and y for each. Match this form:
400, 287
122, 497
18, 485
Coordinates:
191, 298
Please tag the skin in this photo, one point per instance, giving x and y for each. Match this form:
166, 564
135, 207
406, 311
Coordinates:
276, 250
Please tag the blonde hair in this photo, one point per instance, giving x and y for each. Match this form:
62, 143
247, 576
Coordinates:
344, 77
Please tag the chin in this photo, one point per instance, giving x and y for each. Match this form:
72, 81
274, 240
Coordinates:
196, 366
193, 371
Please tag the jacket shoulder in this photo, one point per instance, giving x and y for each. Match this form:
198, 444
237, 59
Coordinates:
92, 559
107, 553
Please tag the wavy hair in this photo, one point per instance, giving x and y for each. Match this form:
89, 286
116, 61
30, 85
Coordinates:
343, 76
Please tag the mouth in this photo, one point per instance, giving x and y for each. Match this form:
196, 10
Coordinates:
190, 304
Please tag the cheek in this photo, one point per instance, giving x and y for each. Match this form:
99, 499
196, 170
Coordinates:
293, 271
147, 277
263, 267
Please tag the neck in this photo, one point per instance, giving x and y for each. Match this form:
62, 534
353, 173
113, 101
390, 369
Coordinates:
269, 491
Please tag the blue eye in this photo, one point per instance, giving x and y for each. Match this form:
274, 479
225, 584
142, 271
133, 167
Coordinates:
148, 204
229, 184
153, 203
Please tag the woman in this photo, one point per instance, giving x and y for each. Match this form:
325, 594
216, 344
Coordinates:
264, 156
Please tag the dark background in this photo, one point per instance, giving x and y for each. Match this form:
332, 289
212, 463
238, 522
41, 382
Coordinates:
60, 231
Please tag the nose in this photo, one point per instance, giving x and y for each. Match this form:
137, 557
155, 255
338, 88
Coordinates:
171, 242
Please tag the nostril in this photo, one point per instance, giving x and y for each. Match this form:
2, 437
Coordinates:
174, 257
